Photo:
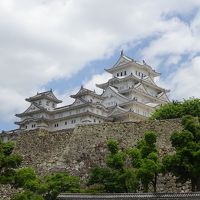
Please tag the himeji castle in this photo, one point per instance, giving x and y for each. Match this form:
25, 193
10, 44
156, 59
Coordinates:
130, 95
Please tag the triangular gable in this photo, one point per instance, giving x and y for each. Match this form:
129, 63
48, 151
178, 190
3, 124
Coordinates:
31, 108
48, 95
111, 91
149, 80
140, 87
113, 97
117, 111
122, 61
52, 96
84, 91
78, 101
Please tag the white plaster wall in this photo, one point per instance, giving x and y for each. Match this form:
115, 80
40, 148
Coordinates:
145, 111
132, 68
50, 105
112, 101
91, 98
71, 123
29, 125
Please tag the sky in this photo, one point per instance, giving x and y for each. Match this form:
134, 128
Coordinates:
63, 44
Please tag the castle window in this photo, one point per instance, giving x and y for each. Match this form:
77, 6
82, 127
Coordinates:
73, 121
121, 73
53, 105
40, 102
56, 125
124, 72
65, 123
47, 103
94, 120
138, 73
143, 75
117, 74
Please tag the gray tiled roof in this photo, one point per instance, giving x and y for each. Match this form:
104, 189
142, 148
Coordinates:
136, 196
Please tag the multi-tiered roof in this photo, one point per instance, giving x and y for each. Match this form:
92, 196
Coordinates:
132, 91
130, 95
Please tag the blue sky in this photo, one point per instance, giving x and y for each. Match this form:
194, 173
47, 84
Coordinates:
63, 44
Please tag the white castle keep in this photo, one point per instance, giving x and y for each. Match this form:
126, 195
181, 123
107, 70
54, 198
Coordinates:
130, 95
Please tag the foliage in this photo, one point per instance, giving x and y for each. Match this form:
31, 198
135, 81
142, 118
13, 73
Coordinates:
24, 175
61, 182
177, 109
27, 179
146, 160
113, 146
117, 176
8, 162
126, 169
184, 164
27, 195
34, 187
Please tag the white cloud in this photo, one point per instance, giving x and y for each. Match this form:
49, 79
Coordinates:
97, 79
173, 59
45, 40
185, 82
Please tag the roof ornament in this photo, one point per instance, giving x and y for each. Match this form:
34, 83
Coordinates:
51, 90
144, 62
122, 52
81, 86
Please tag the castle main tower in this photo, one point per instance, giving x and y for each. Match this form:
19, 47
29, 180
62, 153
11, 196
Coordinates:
132, 94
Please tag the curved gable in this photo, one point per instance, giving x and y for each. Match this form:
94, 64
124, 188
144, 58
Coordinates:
32, 108
140, 87
113, 97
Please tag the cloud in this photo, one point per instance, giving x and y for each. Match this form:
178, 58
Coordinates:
185, 82
45, 40
97, 79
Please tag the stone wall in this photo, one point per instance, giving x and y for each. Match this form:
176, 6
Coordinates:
6, 192
79, 149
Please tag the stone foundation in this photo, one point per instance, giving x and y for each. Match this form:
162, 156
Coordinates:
78, 150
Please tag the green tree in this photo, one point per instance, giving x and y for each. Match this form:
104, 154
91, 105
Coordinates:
106, 177
27, 179
146, 160
47, 187
60, 182
27, 195
34, 187
118, 176
126, 169
185, 162
177, 109
8, 162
